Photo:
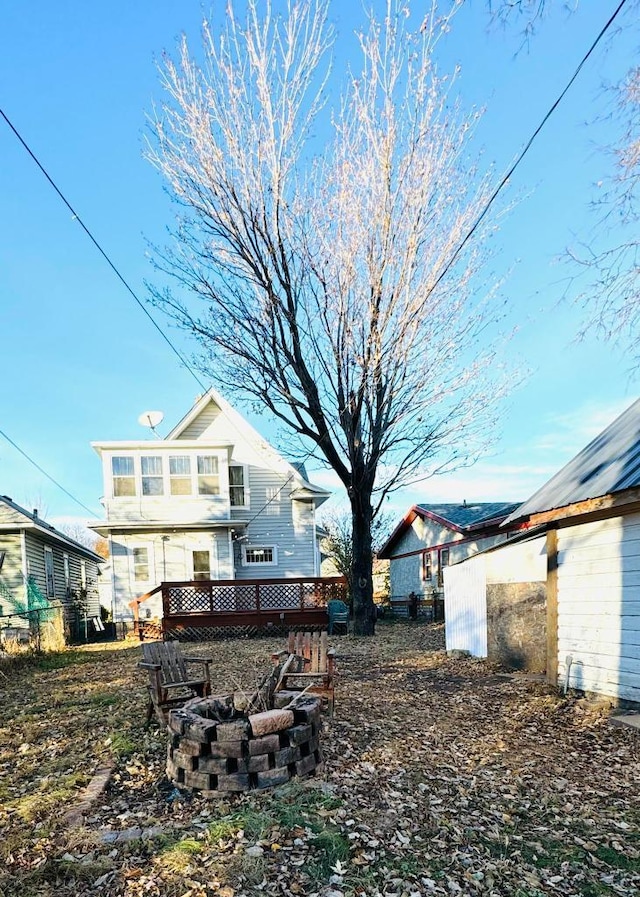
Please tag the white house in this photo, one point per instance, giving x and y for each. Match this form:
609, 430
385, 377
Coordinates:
588, 562
211, 501
430, 537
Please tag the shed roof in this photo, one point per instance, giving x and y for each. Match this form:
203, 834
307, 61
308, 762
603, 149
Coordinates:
609, 463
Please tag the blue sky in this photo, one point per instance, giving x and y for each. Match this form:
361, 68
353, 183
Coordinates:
78, 359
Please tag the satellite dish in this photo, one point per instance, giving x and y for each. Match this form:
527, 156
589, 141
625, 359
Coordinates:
151, 419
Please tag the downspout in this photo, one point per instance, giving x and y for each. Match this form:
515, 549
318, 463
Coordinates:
232, 565
113, 579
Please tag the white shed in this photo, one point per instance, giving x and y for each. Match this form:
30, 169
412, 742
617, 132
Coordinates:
591, 511
496, 603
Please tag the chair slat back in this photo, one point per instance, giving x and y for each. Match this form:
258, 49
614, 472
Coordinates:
168, 656
312, 646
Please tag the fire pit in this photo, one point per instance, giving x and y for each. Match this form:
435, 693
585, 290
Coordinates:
215, 747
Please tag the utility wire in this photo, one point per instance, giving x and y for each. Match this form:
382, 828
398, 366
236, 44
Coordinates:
440, 277
526, 148
47, 475
102, 252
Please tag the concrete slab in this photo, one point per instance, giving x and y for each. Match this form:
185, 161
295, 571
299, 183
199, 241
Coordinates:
632, 720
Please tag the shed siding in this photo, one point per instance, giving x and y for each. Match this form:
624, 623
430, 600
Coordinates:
466, 607
599, 606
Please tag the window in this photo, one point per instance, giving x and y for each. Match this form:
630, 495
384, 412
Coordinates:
236, 486
141, 564
272, 506
180, 475
426, 566
48, 572
263, 555
151, 466
208, 479
124, 480
201, 565
67, 575
444, 562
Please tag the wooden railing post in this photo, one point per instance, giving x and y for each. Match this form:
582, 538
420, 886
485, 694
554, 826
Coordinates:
258, 597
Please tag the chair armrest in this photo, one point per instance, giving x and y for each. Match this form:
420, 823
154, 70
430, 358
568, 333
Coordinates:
188, 684
189, 658
151, 667
278, 657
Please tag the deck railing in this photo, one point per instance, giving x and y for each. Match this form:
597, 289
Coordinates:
294, 601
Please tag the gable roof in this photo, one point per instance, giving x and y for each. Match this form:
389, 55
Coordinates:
609, 463
14, 517
461, 518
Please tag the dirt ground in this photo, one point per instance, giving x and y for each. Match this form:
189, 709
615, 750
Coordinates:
442, 776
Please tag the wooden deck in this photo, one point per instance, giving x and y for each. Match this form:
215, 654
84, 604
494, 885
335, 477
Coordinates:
292, 603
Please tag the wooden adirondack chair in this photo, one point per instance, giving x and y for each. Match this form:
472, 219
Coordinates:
170, 684
316, 668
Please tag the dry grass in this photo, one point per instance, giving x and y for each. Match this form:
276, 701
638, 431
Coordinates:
442, 777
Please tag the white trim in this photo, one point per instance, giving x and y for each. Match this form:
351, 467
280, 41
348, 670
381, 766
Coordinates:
272, 548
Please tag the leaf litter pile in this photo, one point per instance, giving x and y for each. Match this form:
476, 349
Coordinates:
442, 776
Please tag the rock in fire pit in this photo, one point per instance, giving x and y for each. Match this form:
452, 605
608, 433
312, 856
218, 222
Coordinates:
215, 748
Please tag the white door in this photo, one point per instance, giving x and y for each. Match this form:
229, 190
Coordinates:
465, 607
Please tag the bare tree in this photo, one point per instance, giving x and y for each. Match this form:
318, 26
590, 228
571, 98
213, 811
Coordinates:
339, 540
79, 533
608, 261
334, 290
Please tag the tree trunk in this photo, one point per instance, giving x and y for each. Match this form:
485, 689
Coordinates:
364, 611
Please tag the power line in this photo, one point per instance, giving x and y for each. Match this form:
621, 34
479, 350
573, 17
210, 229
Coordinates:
527, 147
442, 274
47, 475
102, 252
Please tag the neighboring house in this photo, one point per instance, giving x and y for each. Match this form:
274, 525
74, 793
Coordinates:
588, 562
41, 565
211, 501
430, 537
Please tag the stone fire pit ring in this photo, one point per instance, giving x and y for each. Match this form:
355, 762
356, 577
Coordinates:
215, 748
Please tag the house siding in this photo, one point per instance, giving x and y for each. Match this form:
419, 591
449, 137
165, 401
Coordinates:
11, 574
406, 572
170, 560
35, 551
599, 607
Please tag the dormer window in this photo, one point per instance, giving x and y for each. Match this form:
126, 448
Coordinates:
208, 477
124, 478
151, 467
